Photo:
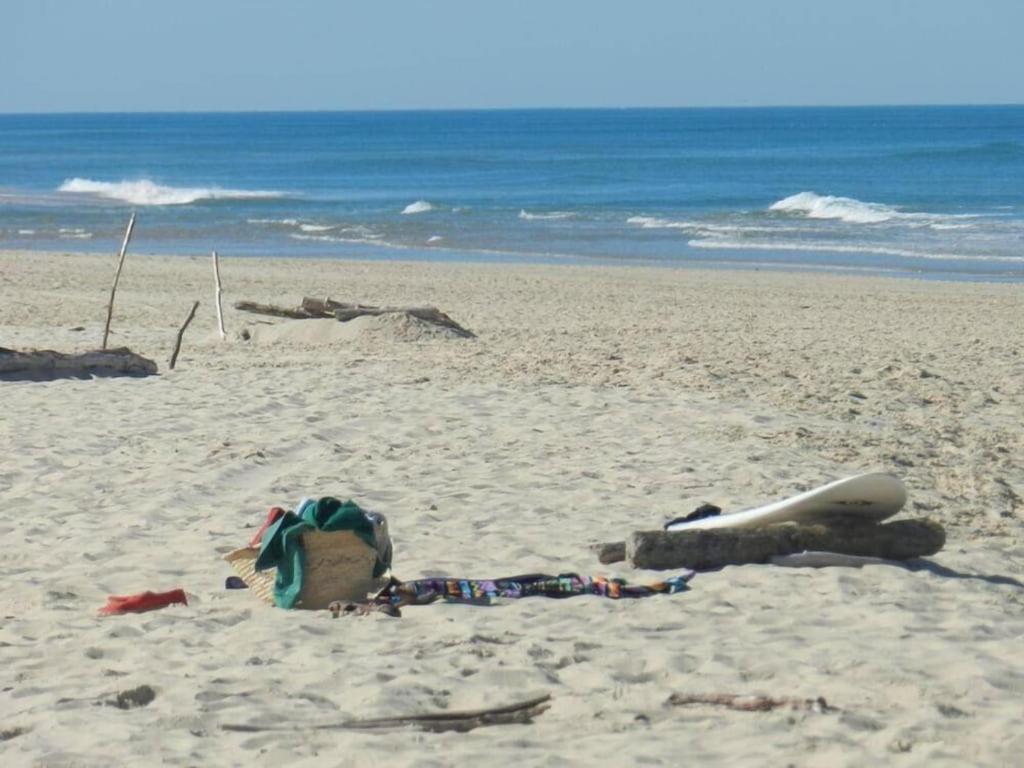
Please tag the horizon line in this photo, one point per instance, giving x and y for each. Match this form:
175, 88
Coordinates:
399, 110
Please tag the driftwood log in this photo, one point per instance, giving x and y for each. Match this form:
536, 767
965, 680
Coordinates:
714, 548
312, 308
457, 720
46, 365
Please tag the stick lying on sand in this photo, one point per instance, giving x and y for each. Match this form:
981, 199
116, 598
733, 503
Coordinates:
326, 308
461, 721
750, 703
45, 364
717, 547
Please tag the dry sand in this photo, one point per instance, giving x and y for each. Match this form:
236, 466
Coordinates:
595, 401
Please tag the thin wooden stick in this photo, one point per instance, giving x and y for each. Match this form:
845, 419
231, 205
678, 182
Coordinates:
750, 703
181, 333
461, 721
117, 276
218, 293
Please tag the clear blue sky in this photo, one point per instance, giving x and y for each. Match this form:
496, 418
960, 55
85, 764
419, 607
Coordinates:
131, 55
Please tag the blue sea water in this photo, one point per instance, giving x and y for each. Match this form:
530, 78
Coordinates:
928, 191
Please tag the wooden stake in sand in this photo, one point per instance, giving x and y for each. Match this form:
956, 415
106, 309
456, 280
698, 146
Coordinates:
181, 333
117, 276
217, 294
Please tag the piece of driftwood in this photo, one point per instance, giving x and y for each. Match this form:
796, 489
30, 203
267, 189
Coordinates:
181, 333
217, 295
750, 703
327, 308
460, 721
117, 276
610, 551
714, 548
46, 365
272, 310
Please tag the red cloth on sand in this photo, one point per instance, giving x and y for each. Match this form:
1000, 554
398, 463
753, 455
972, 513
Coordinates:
257, 541
144, 601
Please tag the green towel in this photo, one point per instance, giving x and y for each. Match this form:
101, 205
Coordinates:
282, 542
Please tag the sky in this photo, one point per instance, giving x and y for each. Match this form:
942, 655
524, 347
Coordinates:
225, 55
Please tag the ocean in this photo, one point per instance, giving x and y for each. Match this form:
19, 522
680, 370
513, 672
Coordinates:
915, 191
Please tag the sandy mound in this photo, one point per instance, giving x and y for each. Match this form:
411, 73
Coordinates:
391, 327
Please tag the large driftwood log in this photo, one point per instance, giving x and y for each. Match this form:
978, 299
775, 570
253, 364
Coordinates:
45, 364
327, 308
714, 548
457, 720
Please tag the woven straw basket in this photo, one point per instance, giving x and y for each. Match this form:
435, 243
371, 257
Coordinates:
339, 566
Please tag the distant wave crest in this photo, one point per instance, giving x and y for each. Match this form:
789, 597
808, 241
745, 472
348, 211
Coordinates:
550, 216
420, 206
146, 192
652, 222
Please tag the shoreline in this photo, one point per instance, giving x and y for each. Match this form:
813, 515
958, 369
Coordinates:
411, 255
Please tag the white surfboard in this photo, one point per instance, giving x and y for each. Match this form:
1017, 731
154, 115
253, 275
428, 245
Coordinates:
871, 497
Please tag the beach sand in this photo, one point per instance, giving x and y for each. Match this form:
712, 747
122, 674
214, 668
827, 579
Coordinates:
595, 401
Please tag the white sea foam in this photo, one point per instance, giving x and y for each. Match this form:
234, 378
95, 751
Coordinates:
651, 222
550, 216
420, 206
146, 192
356, 238
332, 238
435, 239
707, 229
941, 226
282, 222
740, 245
315, 227
26, 231
74, 233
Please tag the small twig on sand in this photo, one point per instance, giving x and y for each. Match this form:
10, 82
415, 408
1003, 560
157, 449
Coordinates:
461, 721
117, 276
181, 333
750, 703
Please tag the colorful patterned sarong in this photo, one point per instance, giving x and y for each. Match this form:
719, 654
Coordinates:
486, 591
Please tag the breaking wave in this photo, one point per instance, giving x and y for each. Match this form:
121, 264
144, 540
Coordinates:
146, 192
814, 206
420, 206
